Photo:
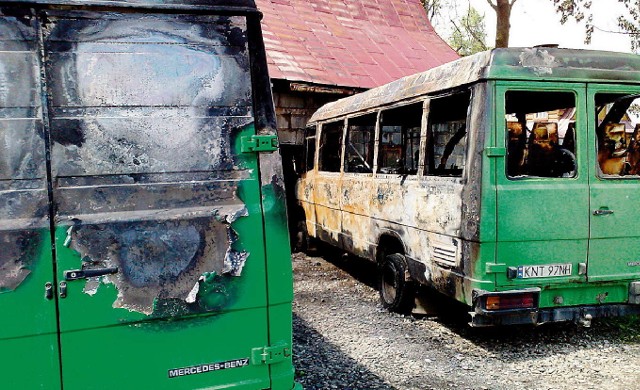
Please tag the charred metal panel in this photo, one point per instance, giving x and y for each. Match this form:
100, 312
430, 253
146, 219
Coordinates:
144, 112
305, 195
356, 202
508, 64
471, 193
463, 71
145, 94
161, 257
24, 215
563, 64
218, 6
23, 193
327, 211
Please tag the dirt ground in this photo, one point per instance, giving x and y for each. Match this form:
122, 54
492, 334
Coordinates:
344, 339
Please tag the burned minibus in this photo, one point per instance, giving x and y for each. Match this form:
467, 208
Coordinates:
508, 180
144, 239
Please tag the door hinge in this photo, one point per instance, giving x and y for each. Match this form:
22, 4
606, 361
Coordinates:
492, 268
495, 152
270, 355
259, 143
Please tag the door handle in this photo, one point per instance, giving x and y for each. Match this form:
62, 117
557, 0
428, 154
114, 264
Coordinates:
602, 212
75, 274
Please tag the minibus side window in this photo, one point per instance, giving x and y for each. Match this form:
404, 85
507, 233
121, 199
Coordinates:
331, 147
447, 135
359, 144
399, 145
310, 148
618, 135
540, 134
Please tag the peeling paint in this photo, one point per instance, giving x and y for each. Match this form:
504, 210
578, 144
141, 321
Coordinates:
539, 60
24, 219
427, 214
161, 258
144, 115
16, 258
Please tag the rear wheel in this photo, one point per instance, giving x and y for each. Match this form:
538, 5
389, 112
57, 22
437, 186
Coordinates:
396, 293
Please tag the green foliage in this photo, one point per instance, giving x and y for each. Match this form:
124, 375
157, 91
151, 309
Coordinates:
579, 10
469, 34
630, 23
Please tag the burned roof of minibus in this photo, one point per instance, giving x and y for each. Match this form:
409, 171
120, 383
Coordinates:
532, 64
222, 6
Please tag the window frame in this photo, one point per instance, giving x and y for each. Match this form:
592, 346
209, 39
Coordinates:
320, 162
596, 148
378, 156
580, 132
373, 141
428, 147
501, 88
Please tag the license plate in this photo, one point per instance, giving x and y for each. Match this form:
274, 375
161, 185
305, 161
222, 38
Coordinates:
544, 271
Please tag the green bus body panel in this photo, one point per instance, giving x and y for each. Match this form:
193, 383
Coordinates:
584, 294
614, 247
551, 221
142, 355
541, 220
34, 366
29, 325
562, 65
151, 198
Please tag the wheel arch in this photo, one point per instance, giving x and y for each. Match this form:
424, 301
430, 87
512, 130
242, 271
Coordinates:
388, 243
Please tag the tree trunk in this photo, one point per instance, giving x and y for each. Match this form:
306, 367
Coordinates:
503, 15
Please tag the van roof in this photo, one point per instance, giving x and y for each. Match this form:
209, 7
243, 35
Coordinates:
532, 64
226, 6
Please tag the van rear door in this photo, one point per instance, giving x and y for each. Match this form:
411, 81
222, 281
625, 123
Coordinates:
158, 270
542, 184
158, 219
614, 144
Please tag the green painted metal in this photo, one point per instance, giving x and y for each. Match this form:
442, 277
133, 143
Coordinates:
536, 224
614, 247
259, 143
29, 326
562, 65
551, 220
199, 256
576, 294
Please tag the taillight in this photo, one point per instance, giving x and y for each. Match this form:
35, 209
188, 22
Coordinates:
510, 301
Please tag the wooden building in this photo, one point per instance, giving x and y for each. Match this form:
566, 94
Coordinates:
319, 51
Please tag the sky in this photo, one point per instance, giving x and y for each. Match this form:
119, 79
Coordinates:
535, 22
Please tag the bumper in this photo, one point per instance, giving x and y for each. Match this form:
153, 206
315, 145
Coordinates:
535, 316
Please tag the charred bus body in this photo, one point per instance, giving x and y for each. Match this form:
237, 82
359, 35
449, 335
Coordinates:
143, 224
508, 180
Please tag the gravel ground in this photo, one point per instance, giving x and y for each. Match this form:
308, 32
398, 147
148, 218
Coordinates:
344, 339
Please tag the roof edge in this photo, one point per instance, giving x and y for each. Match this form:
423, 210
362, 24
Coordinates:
537, 63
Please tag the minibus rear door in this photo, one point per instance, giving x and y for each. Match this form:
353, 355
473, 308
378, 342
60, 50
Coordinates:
160, 247
542, 221
614, 245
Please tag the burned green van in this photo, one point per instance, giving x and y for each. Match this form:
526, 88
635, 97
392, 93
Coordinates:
508, 180
143, 224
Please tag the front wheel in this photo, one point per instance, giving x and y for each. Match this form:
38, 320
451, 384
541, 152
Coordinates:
396, 293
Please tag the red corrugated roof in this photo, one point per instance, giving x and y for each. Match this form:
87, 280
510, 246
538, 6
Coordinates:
351, 43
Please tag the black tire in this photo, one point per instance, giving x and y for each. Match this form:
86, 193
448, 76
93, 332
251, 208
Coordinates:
396, 293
